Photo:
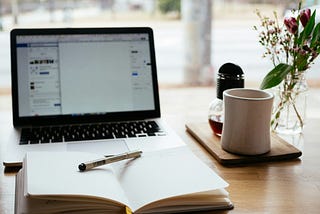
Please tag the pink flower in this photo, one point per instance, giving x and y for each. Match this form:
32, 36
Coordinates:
305, 16
291, 24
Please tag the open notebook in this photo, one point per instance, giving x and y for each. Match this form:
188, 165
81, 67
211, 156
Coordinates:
166, 181
85, 89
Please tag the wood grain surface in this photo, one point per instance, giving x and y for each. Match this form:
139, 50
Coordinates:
291, 186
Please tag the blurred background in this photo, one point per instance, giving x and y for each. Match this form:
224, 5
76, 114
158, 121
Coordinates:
192, 38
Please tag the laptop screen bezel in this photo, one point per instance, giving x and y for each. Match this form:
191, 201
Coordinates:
19, 121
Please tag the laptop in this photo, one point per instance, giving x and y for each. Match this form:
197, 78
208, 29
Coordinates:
85, 89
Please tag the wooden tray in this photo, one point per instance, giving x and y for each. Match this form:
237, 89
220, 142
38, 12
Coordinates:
280, 149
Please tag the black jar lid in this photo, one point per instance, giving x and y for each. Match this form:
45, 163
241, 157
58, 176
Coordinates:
229, 76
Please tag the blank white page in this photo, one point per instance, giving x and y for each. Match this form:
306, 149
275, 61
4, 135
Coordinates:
166, 173
56, 174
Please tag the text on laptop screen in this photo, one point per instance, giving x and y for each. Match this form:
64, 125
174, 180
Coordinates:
83, 74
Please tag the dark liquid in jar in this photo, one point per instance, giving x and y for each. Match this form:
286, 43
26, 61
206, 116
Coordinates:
216, 125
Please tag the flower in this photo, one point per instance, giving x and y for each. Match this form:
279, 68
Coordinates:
305, 16
292, 46
291, 24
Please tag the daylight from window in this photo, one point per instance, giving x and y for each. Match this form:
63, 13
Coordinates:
182, 34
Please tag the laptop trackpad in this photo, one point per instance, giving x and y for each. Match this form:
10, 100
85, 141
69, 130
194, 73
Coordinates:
109, 147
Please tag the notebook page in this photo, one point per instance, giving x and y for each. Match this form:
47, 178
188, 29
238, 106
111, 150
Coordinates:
163, 174
56, 173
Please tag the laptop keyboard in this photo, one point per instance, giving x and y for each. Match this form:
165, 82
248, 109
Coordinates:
58, 134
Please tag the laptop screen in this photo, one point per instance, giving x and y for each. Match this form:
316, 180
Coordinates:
104, 74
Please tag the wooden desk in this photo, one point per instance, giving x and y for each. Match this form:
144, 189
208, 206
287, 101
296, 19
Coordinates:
278, 187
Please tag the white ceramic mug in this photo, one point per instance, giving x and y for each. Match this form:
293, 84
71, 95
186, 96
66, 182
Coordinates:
246, 126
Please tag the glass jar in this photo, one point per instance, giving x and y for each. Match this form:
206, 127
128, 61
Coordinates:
290, 103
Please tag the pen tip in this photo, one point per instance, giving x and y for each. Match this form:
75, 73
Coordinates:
82, 167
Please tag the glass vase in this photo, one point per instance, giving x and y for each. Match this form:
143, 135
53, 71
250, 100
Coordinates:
290, 103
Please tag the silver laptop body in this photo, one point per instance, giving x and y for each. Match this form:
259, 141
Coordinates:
85, 89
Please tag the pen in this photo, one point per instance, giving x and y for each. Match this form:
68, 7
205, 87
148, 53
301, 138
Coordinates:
102, 161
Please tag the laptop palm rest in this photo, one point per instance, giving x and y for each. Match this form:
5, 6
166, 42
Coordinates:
14, 156
109, 147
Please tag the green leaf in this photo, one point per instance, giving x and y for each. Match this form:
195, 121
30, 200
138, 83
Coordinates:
275, 76
307, 29
315, 36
